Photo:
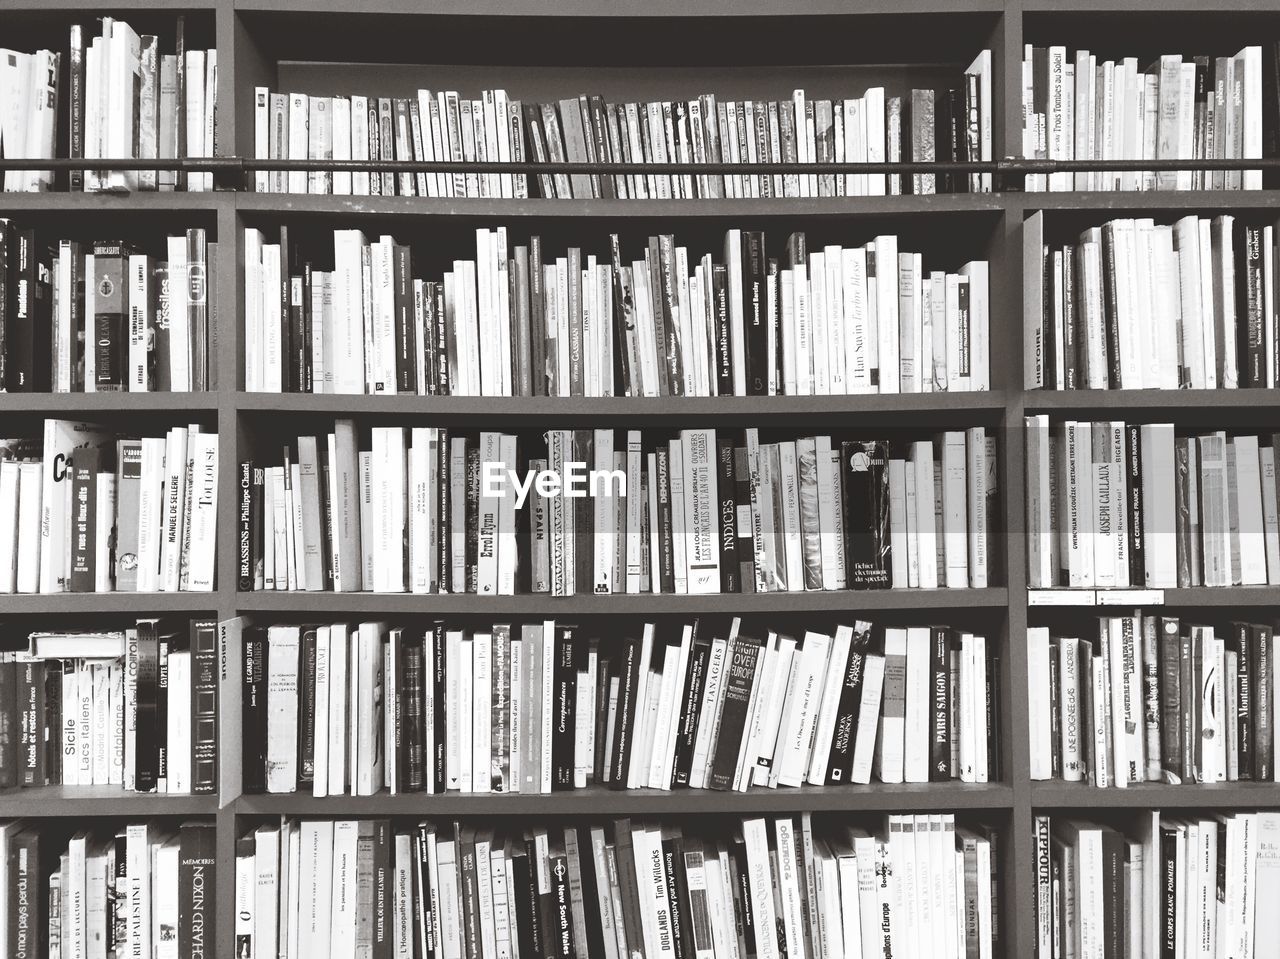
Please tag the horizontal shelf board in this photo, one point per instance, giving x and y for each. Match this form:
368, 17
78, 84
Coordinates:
600, 801
1050, 795
1190, 200
1065, 401
1207, 596
69, 801
282, 204
660, 9
143, 202
637, 605
78, 604
1151, 6
680, 409
86, 404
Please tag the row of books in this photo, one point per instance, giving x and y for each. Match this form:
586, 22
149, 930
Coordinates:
546, 707
106, 315
1152, 699
135, 708
88, 510
1134, 304
947, 124
919, 885
1170, 884
139, 889
425, 511
1077, 106
517, 322
127, 100
1111, 504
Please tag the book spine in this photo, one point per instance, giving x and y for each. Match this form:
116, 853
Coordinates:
204, 706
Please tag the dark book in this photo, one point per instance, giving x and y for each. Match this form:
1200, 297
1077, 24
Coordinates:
444, 519
148, 741
28, 340
1239, 644
538, 316
521, 326
32, 762
994, 769
53, 721
253, 710
472, 513
27, 932
1136, 519
666, 291
740, 874
677, 892
10, 721
110, 312
204, 706
412, 721
1167, 904
76, 72
166, 304
755, 312
584, 517
627, 669
562, 929
295, 371
1111, 319
840, 759
443, 332
1263, 694
653, 262
598, 144
439, 699
1114, 899
307, 705
85, 464
308, 325
720, 319
690, 704
1055, 697
8, 296
628, 885
591, 884
940, 732
1070, 320
161, 747
1253, 365
744, 657
469, 893
197, 890
664, 529
564, 700
402, 312
864, 479
726, 488
525, 895
744, 521
383, 889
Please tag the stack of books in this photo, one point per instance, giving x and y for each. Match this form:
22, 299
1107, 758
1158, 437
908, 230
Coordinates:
1153, 699
89, 510
135, 708
947, 124
1135, 304
136, 889
126, 100
769, 888
106, 315
517, 321
1167, 886
425, 511
1078, 107
1116, 505
544, 707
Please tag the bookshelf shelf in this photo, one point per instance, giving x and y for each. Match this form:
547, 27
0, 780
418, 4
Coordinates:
1171, 402
26, 204
602, 9
81, 604
391, 604
1108, 202
75, 801
596, 801
87, 404
1245, 795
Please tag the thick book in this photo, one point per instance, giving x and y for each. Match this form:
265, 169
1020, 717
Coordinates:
197, 893
204, 705
865, 483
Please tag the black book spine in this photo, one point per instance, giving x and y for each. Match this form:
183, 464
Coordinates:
204, 706
469, 895
1169, 648
444, 522
1112, 319
307, 706
256, 525
564, 699
7, 299
27, 933
1254, 367
162, 711
412, 720
742, 899
383, 879
146, 738
254, 711
244, 529
744, 653
1114, 929
594, 946
723, 349
665, 528
994, 772
84, 498
53, 721
473, 514
538, 317
109, 308
299, 342
562, 906
402, 305
31, 686
725, 490
1055, 697
308, 330
940, 702
840, 759
584, 516
29, 342
1136, 518
744, 522
1245, 706
1263, 692
677, 895
442, 332
197, 897
628, 672
865, 485
10, 723
1070, 310
755, 308
439, 703
1168, 917
687, 732
671, 328
525, 892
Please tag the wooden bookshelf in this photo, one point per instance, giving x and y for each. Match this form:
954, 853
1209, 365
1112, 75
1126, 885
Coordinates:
822, 43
